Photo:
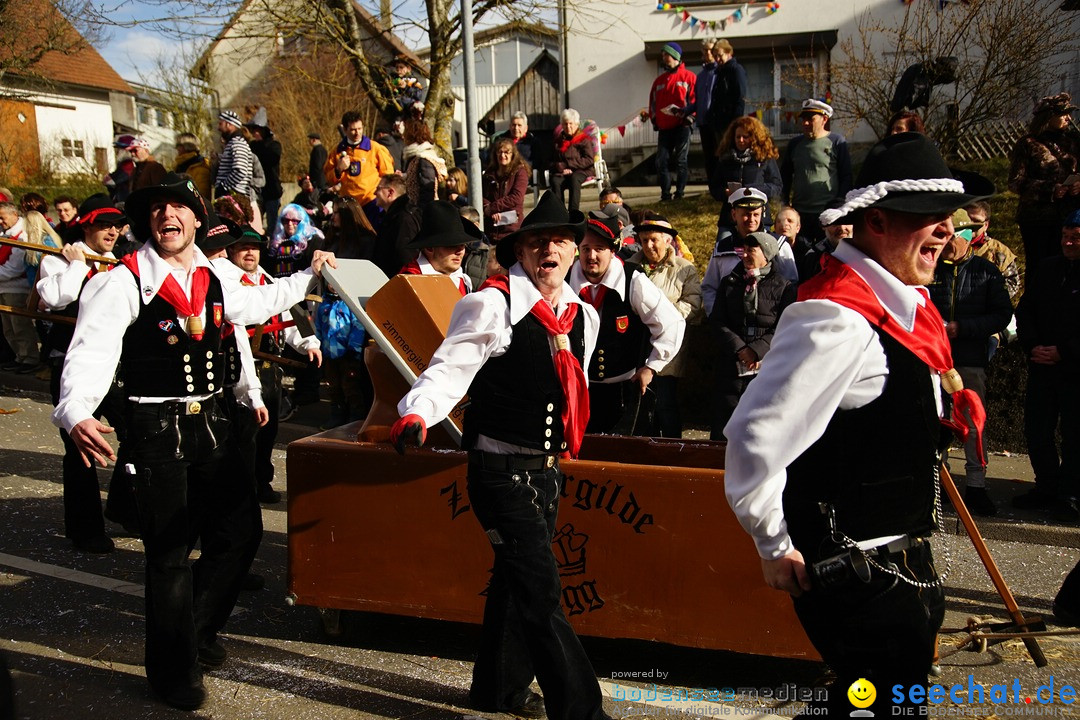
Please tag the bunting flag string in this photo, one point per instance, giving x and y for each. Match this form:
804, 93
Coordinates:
771, 8
941, 3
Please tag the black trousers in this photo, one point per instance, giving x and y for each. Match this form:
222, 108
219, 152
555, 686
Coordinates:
82, 494
883, 631
1052, 400
729, 390
182, 499
525, 632
265, 436
233, 538
560, 184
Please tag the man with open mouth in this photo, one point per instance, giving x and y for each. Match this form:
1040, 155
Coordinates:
833, 452
519, 347
160, 315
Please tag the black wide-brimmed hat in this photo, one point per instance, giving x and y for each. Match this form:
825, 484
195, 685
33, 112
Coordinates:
172, 187
604, 227
906, 173
442, 225
549, 214
220, 233
100, 208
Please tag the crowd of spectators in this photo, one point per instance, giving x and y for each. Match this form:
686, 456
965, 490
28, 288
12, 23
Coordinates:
358, 201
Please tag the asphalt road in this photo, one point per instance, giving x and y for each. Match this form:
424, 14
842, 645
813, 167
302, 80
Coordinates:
73, 623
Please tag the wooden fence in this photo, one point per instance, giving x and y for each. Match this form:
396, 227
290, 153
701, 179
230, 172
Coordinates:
989, 140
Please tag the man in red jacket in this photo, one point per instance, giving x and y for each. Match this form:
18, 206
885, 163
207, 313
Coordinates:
672, 93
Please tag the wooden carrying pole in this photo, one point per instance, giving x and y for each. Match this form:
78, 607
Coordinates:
49, 250
47, 317
1030, 642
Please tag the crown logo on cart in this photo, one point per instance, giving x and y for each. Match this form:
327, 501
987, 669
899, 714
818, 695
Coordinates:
569, 548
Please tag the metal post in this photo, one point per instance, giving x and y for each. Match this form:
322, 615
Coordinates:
472, 133
564, 63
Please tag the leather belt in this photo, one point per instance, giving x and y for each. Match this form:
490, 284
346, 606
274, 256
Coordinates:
191, 407
510, 463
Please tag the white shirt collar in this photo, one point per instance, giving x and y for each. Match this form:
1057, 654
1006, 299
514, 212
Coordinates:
900, 300
426, 268
523, 295
614, 278
15, 230
153, 269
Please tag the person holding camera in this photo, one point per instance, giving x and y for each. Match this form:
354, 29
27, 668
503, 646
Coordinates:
834, 450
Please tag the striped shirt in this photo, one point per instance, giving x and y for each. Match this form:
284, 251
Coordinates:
234, 166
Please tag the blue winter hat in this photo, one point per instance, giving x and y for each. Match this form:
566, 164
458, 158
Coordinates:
1072, 219
673, 49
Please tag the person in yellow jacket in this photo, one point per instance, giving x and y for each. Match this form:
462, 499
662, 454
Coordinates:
355, 166
191, 163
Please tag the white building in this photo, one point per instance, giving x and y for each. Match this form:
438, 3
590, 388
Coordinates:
503, 55
60, 113
613, 49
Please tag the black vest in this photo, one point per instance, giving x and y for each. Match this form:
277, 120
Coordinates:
517, 398
160, 360
874, 464
622, 342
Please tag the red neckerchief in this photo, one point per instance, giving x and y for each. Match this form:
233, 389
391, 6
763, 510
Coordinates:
173, 294
928, 340
575, 407
581, 135
587, 295
5, 250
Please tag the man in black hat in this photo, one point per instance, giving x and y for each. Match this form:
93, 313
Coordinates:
440, 245
265, 146
160, 316
60, 283
640, 330
833, 452
518, 347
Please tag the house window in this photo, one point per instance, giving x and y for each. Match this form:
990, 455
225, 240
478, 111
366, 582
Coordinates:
144, 115
292, 44
777, 88
162, 118
72, 148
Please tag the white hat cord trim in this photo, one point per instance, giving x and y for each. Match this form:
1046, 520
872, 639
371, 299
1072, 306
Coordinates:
865, 197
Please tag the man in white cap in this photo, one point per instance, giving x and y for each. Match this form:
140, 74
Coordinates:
747, 207
834, 450
816, 167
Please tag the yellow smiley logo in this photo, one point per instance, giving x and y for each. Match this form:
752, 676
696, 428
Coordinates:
862, 693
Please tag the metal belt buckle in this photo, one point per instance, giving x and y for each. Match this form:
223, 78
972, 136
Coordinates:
192, 408
550, 461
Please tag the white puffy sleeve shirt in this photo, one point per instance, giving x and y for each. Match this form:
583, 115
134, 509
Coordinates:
824, 358
110, 303
481, 327
665, 323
